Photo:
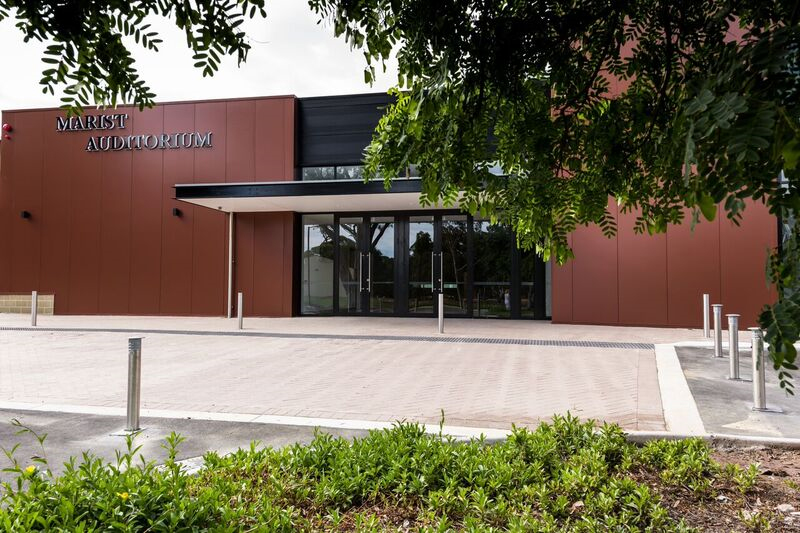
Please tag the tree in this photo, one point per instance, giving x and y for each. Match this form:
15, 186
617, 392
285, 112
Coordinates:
88, 53
661, 104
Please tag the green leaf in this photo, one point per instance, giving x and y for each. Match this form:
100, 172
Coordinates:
708, 207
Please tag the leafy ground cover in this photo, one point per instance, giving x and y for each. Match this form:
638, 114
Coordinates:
564, 476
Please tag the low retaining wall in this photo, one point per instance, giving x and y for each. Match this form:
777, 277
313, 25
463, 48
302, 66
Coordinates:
21, 303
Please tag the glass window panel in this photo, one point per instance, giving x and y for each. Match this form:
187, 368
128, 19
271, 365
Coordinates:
492, 287
317, 264
350, 265
548, 273
455, 267
527, 269
381, 264
318, 173
350, 173
420, 264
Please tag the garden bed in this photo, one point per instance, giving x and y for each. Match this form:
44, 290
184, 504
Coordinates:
564, 476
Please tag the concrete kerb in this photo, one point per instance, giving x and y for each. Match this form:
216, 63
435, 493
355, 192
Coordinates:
458, 433
681, 415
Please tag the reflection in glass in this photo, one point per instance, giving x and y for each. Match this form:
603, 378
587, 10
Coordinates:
317, 264
420, 265
350, 173
548, 273
527, 271
532, 294
350, 265
454, 263
492, 287
381, 265
318, 173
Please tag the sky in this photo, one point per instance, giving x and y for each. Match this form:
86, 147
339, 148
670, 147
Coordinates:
291, 54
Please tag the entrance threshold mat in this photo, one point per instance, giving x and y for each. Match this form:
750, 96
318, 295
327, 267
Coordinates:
333, 336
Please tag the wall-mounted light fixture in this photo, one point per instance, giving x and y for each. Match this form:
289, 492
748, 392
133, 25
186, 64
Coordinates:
176, 212
25, 214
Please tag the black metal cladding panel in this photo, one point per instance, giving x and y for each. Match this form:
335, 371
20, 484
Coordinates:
292, 188
334, 130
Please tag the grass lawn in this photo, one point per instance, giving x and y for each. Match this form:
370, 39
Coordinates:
564, 476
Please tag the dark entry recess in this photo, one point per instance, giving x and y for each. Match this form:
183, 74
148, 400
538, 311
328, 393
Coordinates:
396, 264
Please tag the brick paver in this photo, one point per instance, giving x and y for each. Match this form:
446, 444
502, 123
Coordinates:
477, 385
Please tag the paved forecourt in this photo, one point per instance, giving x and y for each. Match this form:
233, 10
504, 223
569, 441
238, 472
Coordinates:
389, 376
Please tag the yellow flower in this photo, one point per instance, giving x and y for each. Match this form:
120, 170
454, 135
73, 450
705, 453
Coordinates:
30, 470
123, 495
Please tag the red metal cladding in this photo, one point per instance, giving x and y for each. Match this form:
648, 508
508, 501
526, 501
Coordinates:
102, 236
643, 280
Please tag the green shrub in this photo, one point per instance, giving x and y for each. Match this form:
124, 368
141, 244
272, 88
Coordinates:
682, 462
564, 476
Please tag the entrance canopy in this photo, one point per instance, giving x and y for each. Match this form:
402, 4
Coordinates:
304, 196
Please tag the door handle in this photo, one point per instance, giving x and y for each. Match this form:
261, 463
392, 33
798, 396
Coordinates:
369, 274
441, 272
433, 283
360, 272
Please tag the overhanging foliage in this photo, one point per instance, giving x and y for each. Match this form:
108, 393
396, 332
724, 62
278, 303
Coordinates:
671, 108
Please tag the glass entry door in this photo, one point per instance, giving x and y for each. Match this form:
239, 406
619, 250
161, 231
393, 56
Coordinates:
399, 264
422, 262
438, 263
380, 259
454, 263
366, 259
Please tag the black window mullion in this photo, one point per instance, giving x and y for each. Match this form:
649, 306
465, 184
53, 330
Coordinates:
470, 267
539, 289
516, 285
336, 265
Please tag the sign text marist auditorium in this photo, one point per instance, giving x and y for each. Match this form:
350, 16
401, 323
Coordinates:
116, 143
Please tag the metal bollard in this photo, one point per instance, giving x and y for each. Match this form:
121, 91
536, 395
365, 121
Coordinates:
759, 375
239, 310
441, 312
717, 330
34, 307
134, 382
706, 306
733, 346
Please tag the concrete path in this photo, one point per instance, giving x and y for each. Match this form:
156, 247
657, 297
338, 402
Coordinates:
515, 329
725, 406
479, 385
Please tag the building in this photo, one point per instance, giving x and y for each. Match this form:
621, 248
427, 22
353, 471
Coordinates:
175, 209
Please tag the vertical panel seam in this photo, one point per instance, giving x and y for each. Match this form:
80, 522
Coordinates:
254, 116
69, 235
99, 278
41, 207
162, 222
194, 217
719, 257
288, 250
130, 218
194, 220
666, 272
572, 282
163, 244
616, 238
226, 233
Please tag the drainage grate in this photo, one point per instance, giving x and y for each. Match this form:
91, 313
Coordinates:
332, 336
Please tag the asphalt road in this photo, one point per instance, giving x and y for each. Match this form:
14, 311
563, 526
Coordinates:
69, 435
